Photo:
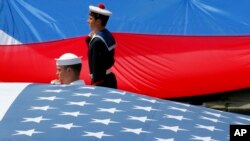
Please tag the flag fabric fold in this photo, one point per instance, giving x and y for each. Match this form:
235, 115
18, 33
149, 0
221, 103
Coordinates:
165, 48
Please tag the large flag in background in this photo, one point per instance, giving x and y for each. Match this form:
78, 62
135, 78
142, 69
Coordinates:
165, 48
75, 113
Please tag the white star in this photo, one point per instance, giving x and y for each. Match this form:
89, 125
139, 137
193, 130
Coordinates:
74, 114
84, 94
98, 135
109, 110
178, 109
145, 108
54, 91
82, 103
117, 92
52, 98
210, 128
137, 131
66, 126
43, 108
176, 117
103, 121
84, 87
27, 132
214, 114
238, 123
114, 100
141, 119
248, 119
183, 104
35, 119
161, 139
211, 119
203, 138
149, 100
172, 128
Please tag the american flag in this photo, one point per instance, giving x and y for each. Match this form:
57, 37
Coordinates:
76, 113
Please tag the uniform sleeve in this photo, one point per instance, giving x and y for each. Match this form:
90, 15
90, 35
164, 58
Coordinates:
98, 53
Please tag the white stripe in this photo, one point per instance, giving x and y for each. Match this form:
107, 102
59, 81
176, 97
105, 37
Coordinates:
8, 94
6, 39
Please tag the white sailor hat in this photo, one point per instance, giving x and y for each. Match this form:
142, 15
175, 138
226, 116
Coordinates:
68, 59
100, 10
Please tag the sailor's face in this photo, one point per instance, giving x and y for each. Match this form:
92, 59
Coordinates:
61, 73
91, 21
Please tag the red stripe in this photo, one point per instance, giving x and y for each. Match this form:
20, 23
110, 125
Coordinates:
160, 66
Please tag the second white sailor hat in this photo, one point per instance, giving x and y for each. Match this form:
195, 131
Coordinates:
68, 59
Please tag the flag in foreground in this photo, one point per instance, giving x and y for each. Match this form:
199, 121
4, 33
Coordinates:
76, 113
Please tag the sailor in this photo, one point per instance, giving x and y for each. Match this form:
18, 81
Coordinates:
68, 70
101, 48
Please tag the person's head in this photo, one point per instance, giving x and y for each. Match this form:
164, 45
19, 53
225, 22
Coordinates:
68, 68
98, 17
